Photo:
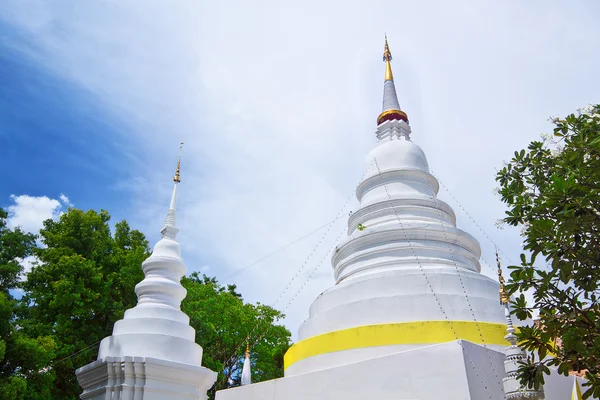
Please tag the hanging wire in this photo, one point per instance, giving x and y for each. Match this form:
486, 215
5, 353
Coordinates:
241, 270
259, 337
436, 297
279, 250
339, 215
427, 281
485, 234
313, 271
298, 272
458, 272
75, 353
488, 237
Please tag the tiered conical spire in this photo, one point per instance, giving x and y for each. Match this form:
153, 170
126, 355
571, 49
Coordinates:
514, 354
152, 351
404, 267
170, 230
391, 106
156, 326
408, 298
246, 372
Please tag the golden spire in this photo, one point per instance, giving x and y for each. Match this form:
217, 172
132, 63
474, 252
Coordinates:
177, 177
248, 348
504, 297
391, 107
387, 57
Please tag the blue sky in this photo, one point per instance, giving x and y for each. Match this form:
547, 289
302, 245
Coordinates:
54, 137
276, 104
58, 140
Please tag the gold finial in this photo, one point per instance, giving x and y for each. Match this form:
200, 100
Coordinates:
387, 57
504, 298
248, 348
177, 177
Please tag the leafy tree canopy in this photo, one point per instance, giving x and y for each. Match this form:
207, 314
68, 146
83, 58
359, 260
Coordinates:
552, 190
22, 357
82, 283
223, 323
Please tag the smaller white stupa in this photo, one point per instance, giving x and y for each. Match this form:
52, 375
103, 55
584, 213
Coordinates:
152, 353
513, 390
246, 372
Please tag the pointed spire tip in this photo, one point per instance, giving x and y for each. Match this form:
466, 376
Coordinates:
170, 230
177, 177
387, 57
391, 106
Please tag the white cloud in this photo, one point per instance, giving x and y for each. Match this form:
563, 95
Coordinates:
276, 103
65, 200
29, 212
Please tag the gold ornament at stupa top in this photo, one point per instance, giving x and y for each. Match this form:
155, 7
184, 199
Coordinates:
177, 177
504, 297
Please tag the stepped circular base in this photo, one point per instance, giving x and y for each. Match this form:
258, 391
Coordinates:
405, 296
389, 311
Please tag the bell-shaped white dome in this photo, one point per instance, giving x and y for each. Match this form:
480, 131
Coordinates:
397, 154
396, 167
404, 263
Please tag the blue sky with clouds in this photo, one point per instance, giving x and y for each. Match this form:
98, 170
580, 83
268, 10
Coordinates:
53, 134
276, 103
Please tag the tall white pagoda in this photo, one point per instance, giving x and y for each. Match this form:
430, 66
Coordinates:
410, 315
152, 353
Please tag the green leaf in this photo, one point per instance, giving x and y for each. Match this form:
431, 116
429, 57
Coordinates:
552, 192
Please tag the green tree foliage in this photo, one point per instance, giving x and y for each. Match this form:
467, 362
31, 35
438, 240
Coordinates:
22, 357
82, 284
223, 322
552, 190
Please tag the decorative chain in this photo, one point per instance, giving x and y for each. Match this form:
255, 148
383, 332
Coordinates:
298, 272
427, 281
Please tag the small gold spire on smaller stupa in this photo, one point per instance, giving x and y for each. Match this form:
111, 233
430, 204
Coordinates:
387, 57
177, 177
248, 348
504, 297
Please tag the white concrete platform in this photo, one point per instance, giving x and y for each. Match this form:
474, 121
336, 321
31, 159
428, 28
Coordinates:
457, 370
143, 378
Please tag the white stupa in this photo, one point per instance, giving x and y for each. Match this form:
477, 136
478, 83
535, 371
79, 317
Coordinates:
246, 377
410, 316
152, 353
513, 390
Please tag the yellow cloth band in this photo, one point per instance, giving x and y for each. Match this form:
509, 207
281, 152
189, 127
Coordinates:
421, 332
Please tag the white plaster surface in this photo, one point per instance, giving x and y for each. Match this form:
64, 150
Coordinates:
457, 370
398, 376
408, 261
390, 99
